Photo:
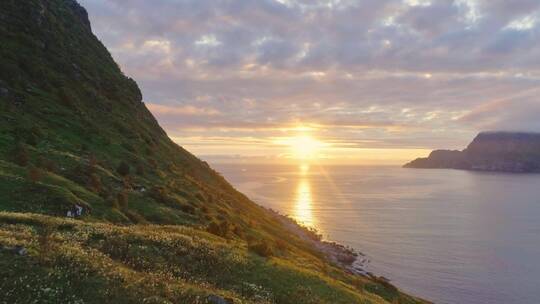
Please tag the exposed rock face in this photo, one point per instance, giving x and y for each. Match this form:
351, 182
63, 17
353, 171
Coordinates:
80, 12
489, 151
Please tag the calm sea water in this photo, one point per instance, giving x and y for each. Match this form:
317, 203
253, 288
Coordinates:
449, 236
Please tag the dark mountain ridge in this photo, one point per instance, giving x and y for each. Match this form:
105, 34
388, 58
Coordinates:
489, 151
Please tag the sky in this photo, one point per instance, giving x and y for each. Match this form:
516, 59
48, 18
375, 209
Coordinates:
366, 81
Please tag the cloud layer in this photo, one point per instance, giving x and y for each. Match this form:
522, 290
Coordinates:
366, 73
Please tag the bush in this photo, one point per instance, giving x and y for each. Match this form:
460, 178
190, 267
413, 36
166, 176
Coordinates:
34, 174
92, 164
153, 163
205, 209
45, 241
123, 169
116, 247
113, 202
128, 147
160, 194
94, 182
222, 229
187, 209
122, 199
66, 98
20, 153
47, 164
282, 246
239, 232
262, 248
139, 169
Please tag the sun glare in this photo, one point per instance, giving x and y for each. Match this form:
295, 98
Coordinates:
304, 169
305, 147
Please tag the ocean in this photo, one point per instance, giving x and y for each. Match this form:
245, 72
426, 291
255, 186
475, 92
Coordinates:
449, 236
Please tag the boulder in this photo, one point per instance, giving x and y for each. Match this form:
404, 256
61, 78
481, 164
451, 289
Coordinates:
215, 299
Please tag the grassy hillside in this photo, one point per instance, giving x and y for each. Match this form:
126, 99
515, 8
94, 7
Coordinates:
157, 224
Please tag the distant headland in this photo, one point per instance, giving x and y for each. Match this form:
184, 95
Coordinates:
489, 151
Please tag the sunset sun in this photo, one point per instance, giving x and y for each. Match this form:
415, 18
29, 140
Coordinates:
305, 147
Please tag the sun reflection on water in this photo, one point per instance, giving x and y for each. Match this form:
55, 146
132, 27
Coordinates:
304, 200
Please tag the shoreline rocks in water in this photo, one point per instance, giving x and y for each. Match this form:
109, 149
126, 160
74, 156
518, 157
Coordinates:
345, 257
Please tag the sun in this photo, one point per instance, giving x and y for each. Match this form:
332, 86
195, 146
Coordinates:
305, 147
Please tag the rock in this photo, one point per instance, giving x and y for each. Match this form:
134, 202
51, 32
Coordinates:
214, 299
19, 100
4, 92
78, 210
80, 12
20, 250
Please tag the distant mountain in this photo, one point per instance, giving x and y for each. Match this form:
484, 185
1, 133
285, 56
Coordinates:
489, 151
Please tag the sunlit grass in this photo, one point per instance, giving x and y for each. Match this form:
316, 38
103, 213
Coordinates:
104, 263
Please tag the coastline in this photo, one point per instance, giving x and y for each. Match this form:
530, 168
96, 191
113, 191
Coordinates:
347, 258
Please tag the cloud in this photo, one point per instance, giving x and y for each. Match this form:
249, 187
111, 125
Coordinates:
397, 73
188, 110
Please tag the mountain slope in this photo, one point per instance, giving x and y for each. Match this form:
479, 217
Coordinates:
489, 151
99, 205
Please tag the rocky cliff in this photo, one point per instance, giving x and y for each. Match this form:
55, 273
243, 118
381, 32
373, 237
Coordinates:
489, 151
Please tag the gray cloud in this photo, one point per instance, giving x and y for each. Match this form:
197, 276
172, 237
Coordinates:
401, 72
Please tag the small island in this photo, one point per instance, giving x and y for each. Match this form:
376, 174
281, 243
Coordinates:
517, 152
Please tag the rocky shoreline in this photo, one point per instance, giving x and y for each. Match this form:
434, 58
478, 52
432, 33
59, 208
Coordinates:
345, 257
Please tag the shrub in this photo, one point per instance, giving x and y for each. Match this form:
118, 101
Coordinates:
116, 247
159, 193
222, 229
113, 202
303, 294
282, 246
45, 241
200, 197
239, 232
262, 248
34, 174
94, 182
20, 154
47, 164
31, 139
66, 98
128, 147
187, 209
92, 164
123, 169
149, 151
153, 163
122, 199
205, 209
139, 169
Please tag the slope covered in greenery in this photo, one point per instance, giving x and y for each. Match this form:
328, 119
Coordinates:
157, 225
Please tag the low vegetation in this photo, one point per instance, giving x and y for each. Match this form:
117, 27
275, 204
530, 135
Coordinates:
85, 262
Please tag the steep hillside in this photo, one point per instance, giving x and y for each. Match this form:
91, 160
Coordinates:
489, 151
98, 205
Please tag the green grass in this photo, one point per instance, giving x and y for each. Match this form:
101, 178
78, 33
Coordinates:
106, 263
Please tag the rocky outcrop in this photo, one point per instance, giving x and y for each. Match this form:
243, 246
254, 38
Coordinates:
489, 151
80, 12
